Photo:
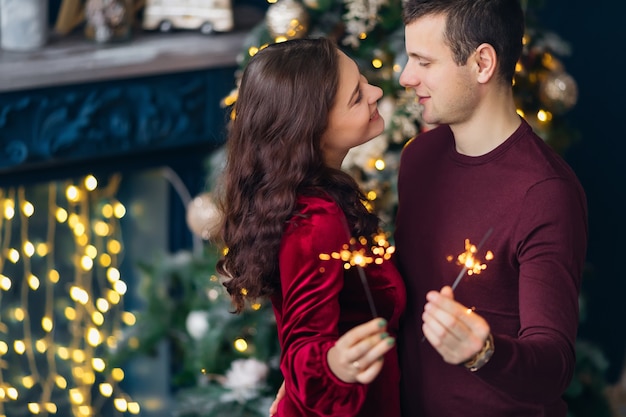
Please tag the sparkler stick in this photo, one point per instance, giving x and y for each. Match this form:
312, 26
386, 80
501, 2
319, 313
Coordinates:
368, 293
465, 265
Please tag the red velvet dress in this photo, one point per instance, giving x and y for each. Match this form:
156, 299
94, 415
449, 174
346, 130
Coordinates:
320, 301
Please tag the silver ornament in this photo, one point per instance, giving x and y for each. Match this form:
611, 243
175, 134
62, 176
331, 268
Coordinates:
203, 217
288, 19
559, 92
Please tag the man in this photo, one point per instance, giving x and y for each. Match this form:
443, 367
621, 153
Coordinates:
502, 343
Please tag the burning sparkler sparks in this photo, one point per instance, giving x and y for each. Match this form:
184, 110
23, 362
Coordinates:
468, 259
380, 251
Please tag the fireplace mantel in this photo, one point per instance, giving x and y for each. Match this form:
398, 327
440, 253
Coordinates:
75, 105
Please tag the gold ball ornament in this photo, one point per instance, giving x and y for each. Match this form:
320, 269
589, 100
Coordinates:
287, 19
203, 217
559, 92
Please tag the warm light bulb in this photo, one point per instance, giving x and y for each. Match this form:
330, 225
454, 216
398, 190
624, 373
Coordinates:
107, 211
105, 260
41, 345
19, 347
113, 274
114, 247
91, 183
97, 318
100, 228
53, 276
94, 338
86, 263
106, 389
13, 255
28, 381
42, 249
76, 396
102, 305
47, 324
120, 287
121, 405
29, 249
114, 297
28, 209
9, 209
60, 382
79, 295
61, 215
12, 393
5, 282
134, 408
72, 193
64, 354
98, 364
129, 318
119, 210
240, 345
19, 314
33, 282
117, 374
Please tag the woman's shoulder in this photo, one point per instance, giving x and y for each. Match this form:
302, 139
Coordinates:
319, 204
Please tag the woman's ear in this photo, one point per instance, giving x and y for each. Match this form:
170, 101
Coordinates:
486, 61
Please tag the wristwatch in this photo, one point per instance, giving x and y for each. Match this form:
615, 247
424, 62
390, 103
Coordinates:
482, 357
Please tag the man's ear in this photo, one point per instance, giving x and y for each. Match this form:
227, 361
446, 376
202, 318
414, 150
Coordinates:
486, 61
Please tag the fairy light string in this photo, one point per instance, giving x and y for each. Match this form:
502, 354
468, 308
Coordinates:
62, 243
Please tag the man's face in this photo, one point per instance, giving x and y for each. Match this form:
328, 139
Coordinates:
446, 90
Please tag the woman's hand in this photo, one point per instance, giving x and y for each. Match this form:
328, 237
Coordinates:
358, 355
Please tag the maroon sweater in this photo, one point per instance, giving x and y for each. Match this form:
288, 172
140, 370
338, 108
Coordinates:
528, 293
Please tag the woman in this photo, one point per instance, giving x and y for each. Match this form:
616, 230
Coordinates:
302, 105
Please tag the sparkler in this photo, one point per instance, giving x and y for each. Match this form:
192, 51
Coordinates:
381, 251
470, 264
468, 259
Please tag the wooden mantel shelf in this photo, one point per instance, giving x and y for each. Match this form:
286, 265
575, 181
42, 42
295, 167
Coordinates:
75, 105
73, 60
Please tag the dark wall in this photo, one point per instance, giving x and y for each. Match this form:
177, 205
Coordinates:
596, 33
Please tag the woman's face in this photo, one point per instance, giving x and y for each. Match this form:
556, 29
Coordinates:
354, 117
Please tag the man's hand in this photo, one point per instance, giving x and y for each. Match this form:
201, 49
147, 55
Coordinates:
454, 330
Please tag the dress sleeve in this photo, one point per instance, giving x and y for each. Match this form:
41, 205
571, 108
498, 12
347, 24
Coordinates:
551, 241
310, 315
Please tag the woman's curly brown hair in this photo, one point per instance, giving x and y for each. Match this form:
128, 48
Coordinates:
273, 155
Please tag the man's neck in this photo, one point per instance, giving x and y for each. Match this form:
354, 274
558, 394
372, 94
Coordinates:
490, 126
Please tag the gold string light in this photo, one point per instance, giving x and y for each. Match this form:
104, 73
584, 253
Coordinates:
61, 298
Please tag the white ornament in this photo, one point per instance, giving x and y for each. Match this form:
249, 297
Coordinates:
197, 324
244, 378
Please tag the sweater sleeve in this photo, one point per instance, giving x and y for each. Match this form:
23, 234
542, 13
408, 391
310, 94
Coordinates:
550, 240
310, 316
